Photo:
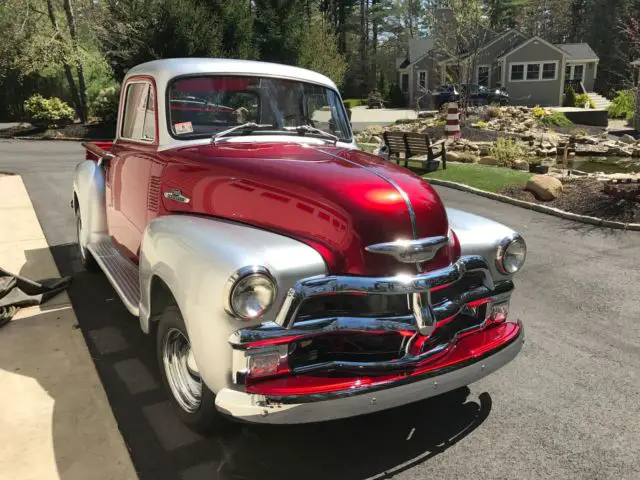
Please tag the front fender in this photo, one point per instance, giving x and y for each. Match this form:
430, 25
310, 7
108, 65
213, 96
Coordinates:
195, 256
479, 236
89, 193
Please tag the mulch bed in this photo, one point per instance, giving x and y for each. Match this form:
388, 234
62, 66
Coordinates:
94, 131
583, 196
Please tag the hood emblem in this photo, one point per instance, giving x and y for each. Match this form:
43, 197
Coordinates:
410, 251
176, 196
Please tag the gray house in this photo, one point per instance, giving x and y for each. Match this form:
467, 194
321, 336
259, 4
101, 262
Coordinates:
534, 71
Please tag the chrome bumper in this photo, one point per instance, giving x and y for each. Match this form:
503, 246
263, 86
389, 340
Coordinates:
317, 408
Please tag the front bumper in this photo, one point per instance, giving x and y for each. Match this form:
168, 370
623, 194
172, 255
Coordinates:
368, 399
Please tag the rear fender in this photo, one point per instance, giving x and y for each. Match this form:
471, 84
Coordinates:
89, 197
195, 257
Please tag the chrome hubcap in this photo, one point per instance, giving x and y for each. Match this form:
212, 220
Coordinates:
181, 371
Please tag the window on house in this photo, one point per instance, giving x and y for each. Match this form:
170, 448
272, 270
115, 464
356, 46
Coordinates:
548, 71
533, 71
567, 72
405, 82
139, 119
422, 79
483, 76
517, 71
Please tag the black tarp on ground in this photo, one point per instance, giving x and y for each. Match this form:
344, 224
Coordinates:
16, 292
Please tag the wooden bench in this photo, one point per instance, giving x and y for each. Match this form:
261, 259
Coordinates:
412, 145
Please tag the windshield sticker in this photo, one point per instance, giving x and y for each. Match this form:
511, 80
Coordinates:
183, 127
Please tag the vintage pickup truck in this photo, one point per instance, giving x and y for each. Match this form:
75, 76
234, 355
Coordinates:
286, 276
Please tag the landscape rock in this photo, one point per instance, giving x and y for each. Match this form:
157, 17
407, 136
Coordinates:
628, 139
453, 156
544, 187
488, 160
521, 165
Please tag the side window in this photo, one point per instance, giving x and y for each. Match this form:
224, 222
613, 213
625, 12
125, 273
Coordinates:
138, 122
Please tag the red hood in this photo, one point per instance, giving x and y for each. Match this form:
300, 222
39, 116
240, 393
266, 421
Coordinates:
334, 199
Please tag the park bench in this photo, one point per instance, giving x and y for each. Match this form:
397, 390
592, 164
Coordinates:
412, 145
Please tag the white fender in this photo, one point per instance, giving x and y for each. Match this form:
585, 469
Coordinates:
195, 257
89, 190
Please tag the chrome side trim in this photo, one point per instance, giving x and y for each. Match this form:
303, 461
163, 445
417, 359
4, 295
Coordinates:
317, 408
401, 284
403, 194
410, 251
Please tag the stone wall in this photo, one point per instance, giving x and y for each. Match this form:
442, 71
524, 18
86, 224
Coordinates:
637, 117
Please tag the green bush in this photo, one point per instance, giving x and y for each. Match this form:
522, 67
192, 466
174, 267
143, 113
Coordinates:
494, 112
396, 97
480, 124
569, 97
555, 119
538, 112
355, 102
105, 105
48, 112
623, 105
506, 151
583, 99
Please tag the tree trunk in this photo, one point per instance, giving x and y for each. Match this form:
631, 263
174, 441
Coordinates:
68, 10
67, 68
374, 43
342, 32
363, 45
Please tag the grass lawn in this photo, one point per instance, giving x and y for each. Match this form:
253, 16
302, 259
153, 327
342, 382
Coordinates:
491, 179
355, 102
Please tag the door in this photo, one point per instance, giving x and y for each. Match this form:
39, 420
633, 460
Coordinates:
135, 150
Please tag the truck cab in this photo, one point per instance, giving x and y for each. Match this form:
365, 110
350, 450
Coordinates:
286, 276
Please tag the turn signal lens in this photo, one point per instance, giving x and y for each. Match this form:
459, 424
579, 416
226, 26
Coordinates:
264, 364
252, 295
499, 312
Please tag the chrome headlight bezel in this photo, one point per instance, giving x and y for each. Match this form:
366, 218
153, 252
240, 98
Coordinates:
255, 273
505, 249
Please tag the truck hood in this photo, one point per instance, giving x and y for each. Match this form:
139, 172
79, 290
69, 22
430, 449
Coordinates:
337, 200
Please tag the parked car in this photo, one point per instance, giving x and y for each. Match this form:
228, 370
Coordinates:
286, 276
478, 95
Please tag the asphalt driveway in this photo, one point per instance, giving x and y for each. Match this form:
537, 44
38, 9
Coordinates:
568, 407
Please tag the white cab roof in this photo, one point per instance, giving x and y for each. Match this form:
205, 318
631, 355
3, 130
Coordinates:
164, 70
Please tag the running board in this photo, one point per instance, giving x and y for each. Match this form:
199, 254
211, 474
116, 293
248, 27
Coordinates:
121, 272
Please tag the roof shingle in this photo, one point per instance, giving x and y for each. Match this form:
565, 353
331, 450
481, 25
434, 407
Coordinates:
578, 51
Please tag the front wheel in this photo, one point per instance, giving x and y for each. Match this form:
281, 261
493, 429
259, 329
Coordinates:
88, 262
192, 400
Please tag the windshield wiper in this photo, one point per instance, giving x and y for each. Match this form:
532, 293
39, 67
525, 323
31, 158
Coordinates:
304, 129
245, 127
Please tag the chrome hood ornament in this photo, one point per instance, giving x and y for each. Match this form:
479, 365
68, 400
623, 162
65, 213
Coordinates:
410, 251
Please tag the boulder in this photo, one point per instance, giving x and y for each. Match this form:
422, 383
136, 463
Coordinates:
636, 153
488, 160
544, 187
521, 165
427, 114
530, 123
628, 139
374, 130
453, 156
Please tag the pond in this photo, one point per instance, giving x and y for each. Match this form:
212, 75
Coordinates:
605, 164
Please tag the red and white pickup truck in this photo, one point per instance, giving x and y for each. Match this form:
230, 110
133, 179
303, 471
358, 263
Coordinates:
286, 276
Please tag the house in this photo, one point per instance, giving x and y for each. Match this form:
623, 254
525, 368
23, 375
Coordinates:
534, 71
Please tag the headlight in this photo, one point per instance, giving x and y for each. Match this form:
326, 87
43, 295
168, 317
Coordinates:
251, 291
511, 254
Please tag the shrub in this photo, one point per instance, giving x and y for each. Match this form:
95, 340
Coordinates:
570, 97
396, 97
506, 151
355, 102
105, 106
440, 123
48, 112
375, 98
494, 112
555, 119
538, 112
583, 99
623, 105
482, 125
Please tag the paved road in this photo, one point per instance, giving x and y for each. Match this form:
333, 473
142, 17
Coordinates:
567, 408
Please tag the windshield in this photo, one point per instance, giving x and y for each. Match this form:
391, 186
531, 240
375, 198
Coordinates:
199, 107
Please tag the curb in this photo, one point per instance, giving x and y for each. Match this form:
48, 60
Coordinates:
556, 212
65, 139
